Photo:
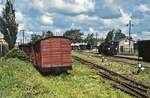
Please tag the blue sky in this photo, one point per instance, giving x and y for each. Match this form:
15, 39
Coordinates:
88, 15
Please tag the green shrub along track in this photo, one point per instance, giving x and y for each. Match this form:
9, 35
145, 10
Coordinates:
128, 85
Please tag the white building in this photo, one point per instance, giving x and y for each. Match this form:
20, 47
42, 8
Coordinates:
124, 47
79, 46
2, 41
3, 50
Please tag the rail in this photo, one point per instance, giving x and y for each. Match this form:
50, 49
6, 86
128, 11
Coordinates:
128, 85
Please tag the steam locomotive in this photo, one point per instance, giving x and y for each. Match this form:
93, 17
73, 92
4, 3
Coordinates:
108, 48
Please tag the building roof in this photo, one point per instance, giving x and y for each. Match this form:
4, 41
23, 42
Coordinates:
126, 39
2, 40
78, 44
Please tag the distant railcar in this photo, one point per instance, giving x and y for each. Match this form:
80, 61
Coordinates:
144, 50
51, 54
27, 49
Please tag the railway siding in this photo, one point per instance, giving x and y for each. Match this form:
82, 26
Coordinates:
130, 60
128, 85
127, 70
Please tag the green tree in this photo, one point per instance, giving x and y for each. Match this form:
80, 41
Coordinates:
109, 36
75, 35
8, 25
117, 34
47, 33
35, 37
90, 40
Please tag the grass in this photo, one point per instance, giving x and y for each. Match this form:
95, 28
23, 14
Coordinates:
121, 68
19, 79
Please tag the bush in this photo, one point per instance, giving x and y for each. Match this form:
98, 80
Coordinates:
16, 53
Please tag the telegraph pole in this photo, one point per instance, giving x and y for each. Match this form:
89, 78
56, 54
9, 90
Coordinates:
130, 25
96, 37
129, 36
96, 41
23, 30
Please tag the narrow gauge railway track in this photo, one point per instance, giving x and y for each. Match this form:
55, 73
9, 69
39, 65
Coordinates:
130, 61
125, 60
128, 85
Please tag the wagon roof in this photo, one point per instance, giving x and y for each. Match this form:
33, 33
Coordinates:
29, 44
53, 37
126, 39
56, 37
144, 41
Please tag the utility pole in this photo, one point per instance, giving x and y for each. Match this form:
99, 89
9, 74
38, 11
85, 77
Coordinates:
130, 25
129, 36
96, 37
23, 30
96, 41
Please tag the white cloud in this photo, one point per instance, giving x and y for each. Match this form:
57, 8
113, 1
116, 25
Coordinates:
47, 20
100, 33
19, 17
112, 22
117, 23
125, 17
91, 29
27, 36
74, 26
21, 27
29, 32
84, 19
136, 37
146, 33
75, 6
1, 8
125, 30
23, 21
39, 3
123, 20
79, 14
143, 8
112, 4
58, 30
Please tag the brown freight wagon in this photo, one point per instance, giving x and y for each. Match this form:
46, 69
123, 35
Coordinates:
27, 49
51, 54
